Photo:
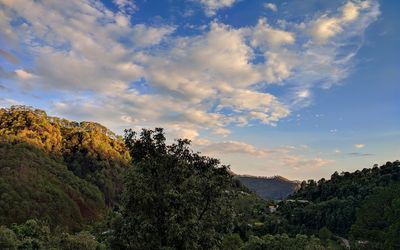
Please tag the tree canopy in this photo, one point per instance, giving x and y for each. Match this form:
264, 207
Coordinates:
174, 198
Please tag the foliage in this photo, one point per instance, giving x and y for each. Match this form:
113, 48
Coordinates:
324, 234
232, 242
174, 198
90, 150
378, 219
333, 203
35, 235
82, 241
8, 239
33, 185
283, 241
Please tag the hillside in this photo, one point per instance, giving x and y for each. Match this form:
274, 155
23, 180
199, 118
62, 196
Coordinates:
363, 205
33, 185
269, 188
56, 170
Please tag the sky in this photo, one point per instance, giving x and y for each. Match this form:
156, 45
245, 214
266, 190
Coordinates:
294, 88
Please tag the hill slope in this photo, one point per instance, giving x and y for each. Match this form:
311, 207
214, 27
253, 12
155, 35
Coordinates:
57, 170
269, 188
32, 185
334, 203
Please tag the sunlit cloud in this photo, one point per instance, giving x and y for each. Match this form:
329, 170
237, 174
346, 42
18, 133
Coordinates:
359, 145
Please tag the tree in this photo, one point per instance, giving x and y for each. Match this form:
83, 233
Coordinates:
174, 198
8, 239
324, 234
81, 241
232, 242
378, 219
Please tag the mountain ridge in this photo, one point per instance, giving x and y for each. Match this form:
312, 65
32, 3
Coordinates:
269, 188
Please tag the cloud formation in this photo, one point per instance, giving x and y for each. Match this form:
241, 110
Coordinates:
107, 68
279, 159
211, 6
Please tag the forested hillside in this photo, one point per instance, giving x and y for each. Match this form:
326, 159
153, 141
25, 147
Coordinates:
334, 202
273, 188
33, 185
362, 206
56, 170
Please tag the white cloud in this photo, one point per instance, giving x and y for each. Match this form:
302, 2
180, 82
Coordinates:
23, 75
211, 6
144, 35
359, 145
249, 105
271, 6
351, 10
327, 27
279, 65
232, 147
303, 93
265, 35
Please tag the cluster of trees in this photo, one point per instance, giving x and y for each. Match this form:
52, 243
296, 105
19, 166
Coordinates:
174, 198
88, 149
378, 219
283, 241
35, 235
58, 171
354, 205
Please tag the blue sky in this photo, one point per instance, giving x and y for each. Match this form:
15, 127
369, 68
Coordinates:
293, 88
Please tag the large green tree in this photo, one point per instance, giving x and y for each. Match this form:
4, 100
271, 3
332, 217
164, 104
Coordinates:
378, 219
174, 198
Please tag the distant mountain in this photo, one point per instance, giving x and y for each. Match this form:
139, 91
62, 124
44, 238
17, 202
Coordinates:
269, 188
63, 172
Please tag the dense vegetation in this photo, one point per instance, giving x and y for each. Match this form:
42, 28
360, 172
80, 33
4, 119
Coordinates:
334, 202
274, 188
174, 199
35, 235
378, 219
55, 170
360, 206
58, 178
33, 185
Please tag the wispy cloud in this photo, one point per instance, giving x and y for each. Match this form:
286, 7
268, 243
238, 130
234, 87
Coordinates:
360, 145
271, 6
286, 157
9, 57
360, 154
